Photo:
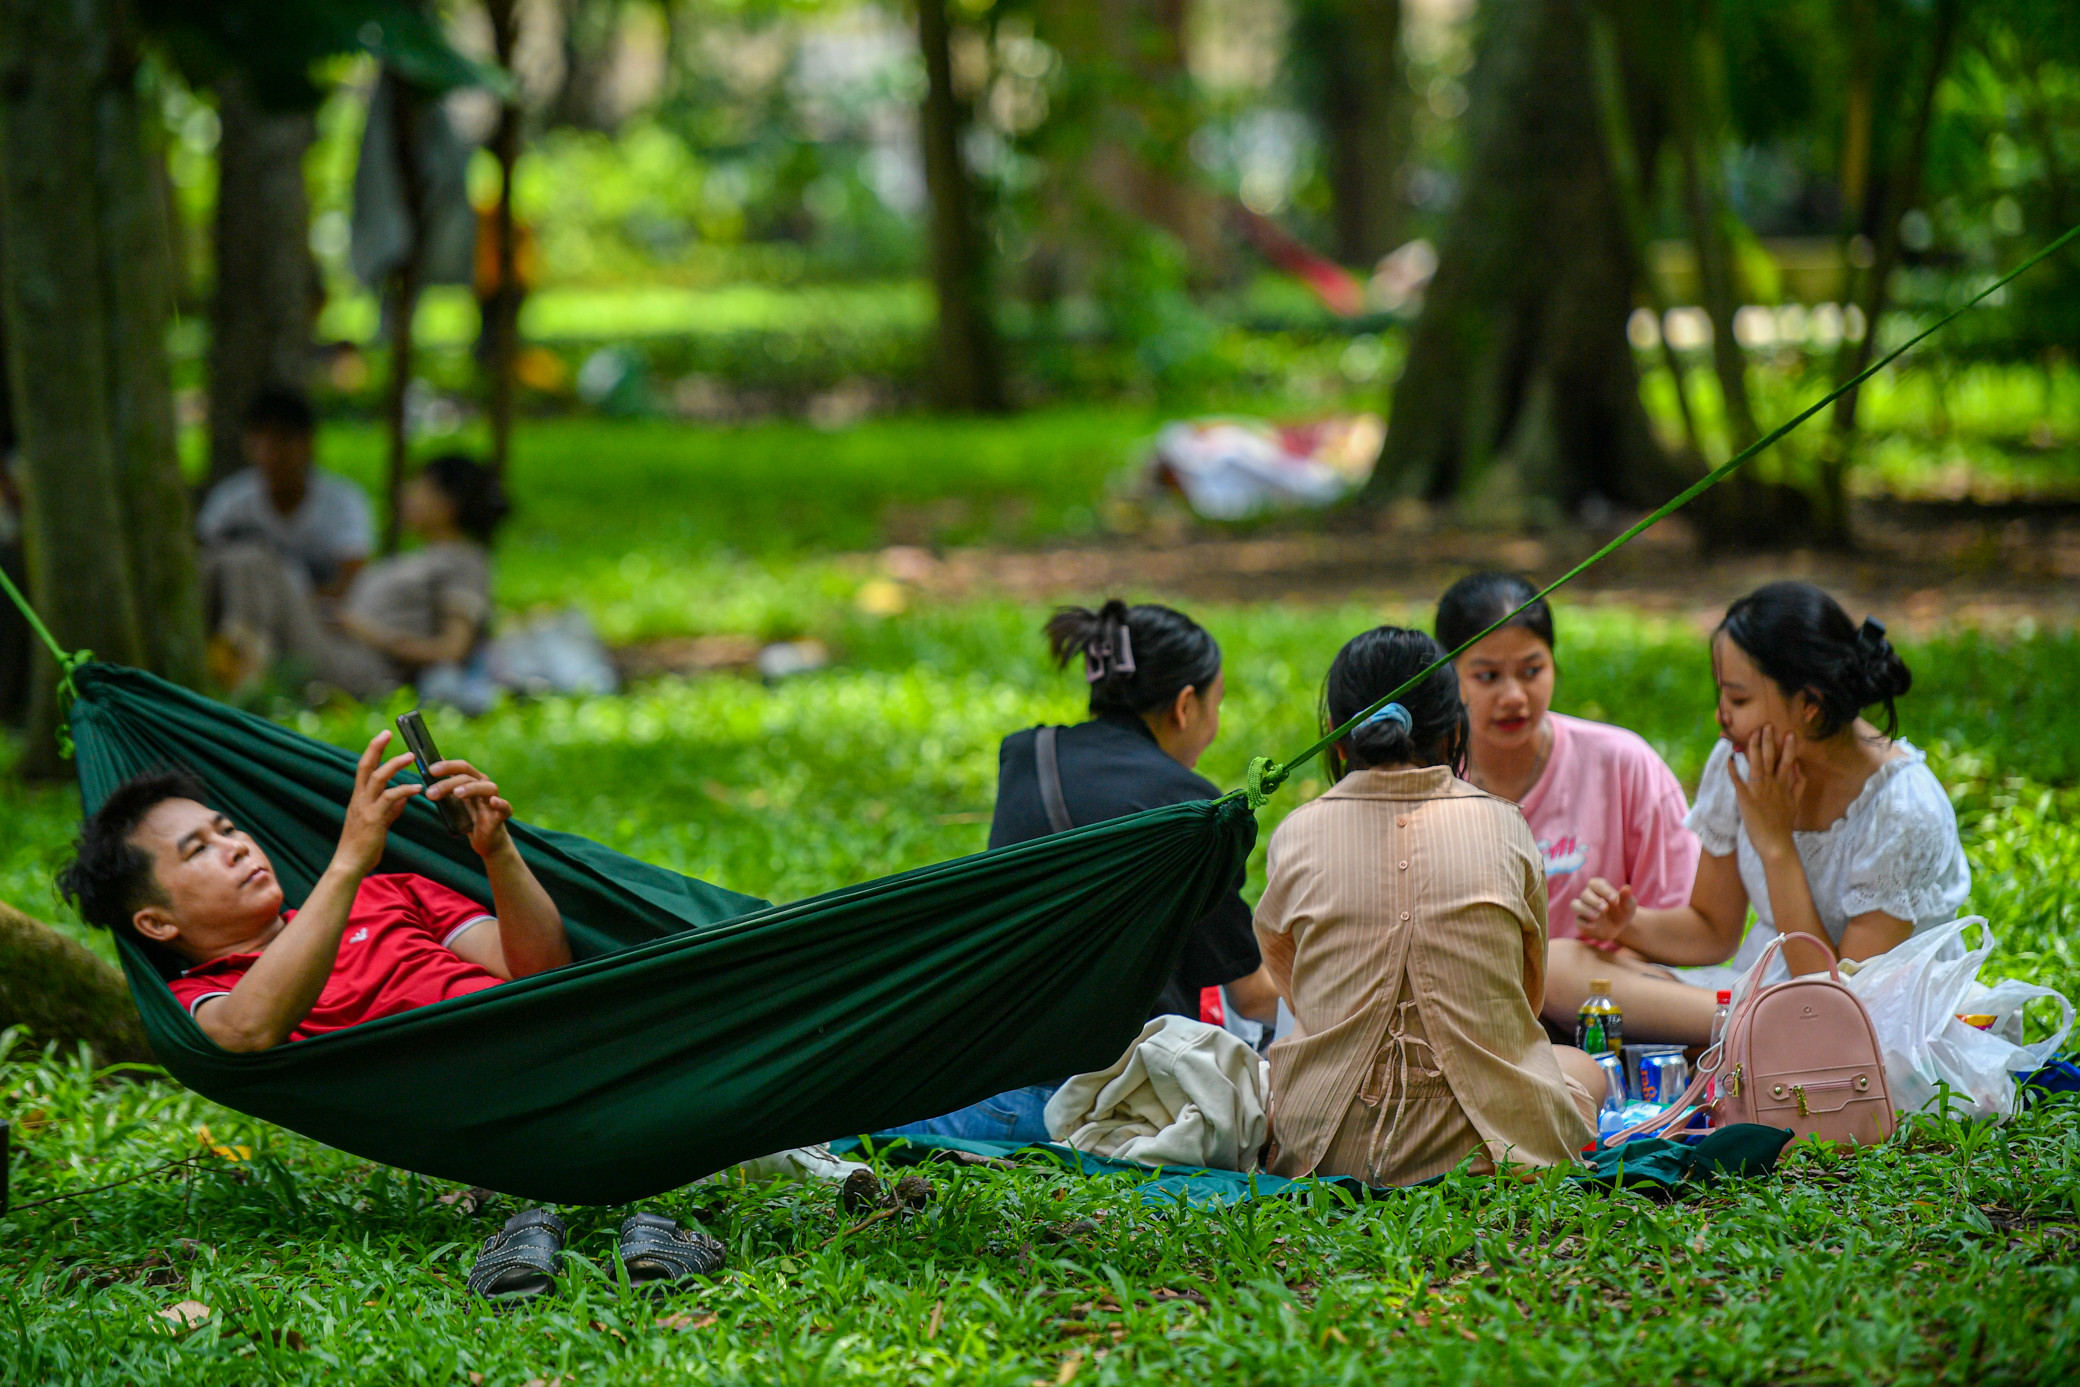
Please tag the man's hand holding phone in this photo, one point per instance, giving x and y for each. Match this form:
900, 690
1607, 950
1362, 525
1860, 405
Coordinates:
477, 796
372, 809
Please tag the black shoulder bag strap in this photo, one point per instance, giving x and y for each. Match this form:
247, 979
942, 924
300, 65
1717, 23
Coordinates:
1050, 770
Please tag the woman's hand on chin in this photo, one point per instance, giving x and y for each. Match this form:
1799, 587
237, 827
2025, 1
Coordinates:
1770, 795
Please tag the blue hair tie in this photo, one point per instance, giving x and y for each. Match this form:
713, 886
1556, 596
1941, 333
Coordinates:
1393, 713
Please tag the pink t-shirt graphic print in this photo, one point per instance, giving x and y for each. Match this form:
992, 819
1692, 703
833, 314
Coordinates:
1608, 806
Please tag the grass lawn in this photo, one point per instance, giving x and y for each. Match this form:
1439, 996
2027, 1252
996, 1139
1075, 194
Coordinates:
1947, 1255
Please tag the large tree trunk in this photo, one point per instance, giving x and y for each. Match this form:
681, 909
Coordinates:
137, 278
62, 991
499, 301
1520, 397
85, 296
970, 374
59, 351
1872, 291
265, 282
1350, 52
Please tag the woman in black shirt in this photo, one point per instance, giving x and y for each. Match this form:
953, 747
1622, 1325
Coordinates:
1156, 688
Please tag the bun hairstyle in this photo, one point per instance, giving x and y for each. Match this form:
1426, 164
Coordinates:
1803, 640
479, 497
1136, 659
1479, 600
1433, 732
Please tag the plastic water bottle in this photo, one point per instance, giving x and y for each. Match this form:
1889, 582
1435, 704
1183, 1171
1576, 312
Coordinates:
1599, 1027
1719, 1020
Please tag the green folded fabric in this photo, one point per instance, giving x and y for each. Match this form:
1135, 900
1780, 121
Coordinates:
698, 1027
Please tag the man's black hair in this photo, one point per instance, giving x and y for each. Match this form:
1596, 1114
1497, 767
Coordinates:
110, 878
281, 409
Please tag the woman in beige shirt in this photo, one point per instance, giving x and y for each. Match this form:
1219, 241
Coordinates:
1404, 923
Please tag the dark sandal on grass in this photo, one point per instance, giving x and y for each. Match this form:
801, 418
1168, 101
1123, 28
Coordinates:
520, 1261
659, 1253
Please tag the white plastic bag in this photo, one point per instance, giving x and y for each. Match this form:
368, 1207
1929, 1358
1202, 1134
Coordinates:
1915, 993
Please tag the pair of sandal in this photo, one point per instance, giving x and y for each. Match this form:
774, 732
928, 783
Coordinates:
520, 1261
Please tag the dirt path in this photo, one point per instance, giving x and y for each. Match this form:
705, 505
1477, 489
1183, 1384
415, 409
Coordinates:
1915, 570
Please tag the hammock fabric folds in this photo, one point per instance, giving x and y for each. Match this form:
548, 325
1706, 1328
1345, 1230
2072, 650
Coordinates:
699, 1027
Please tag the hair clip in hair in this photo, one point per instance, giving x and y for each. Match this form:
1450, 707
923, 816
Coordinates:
1393, 713
1107, 655
1872, 636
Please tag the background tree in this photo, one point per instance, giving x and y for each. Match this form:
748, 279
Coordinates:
1346, 61
1520, 396
266, 290
86, 295
970, 372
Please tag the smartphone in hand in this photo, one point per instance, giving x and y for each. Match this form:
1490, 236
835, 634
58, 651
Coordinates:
417, 740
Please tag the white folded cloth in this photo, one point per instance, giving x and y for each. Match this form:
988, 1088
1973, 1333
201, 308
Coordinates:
1184, 1093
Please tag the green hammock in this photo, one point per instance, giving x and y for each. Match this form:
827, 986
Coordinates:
699, 1027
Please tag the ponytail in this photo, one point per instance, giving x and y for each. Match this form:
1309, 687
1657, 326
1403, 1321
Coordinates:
1136, 659
1426, 726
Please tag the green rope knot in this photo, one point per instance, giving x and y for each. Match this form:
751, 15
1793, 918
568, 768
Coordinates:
1262, 781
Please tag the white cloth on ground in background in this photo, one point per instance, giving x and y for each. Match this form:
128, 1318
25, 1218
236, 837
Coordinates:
1184, 1093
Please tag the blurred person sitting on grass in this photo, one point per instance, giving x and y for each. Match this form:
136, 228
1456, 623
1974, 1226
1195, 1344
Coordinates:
315, 522
1822, 822
400, 617
158, 863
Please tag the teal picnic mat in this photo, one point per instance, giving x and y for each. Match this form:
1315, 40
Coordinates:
1743, 1149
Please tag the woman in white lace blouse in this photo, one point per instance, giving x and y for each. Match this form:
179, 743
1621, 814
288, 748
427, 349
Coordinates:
1826, 825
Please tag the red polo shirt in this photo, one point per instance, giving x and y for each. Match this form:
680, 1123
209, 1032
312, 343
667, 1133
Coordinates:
394, 956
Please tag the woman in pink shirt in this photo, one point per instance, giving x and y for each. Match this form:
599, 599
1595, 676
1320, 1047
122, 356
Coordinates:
1600, 801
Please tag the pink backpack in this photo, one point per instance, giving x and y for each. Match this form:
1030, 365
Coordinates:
1800, 1054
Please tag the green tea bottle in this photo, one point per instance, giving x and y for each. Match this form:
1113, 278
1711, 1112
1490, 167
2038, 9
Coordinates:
1600, 1027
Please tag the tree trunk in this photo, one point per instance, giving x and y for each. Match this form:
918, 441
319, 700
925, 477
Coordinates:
62, 991
137, 275
591, 49
60, 354
1350, 51
86, 296
403, 305
1520, 398
970, 374
265, 281
1901, 191
500, 306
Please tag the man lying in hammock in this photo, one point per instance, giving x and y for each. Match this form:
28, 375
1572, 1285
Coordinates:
157, 860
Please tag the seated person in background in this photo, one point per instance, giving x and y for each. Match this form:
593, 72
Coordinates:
429, 606
401, 615
1601, 803
157, 861
1821, 822
1404, 922
315, 521
1155, 699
